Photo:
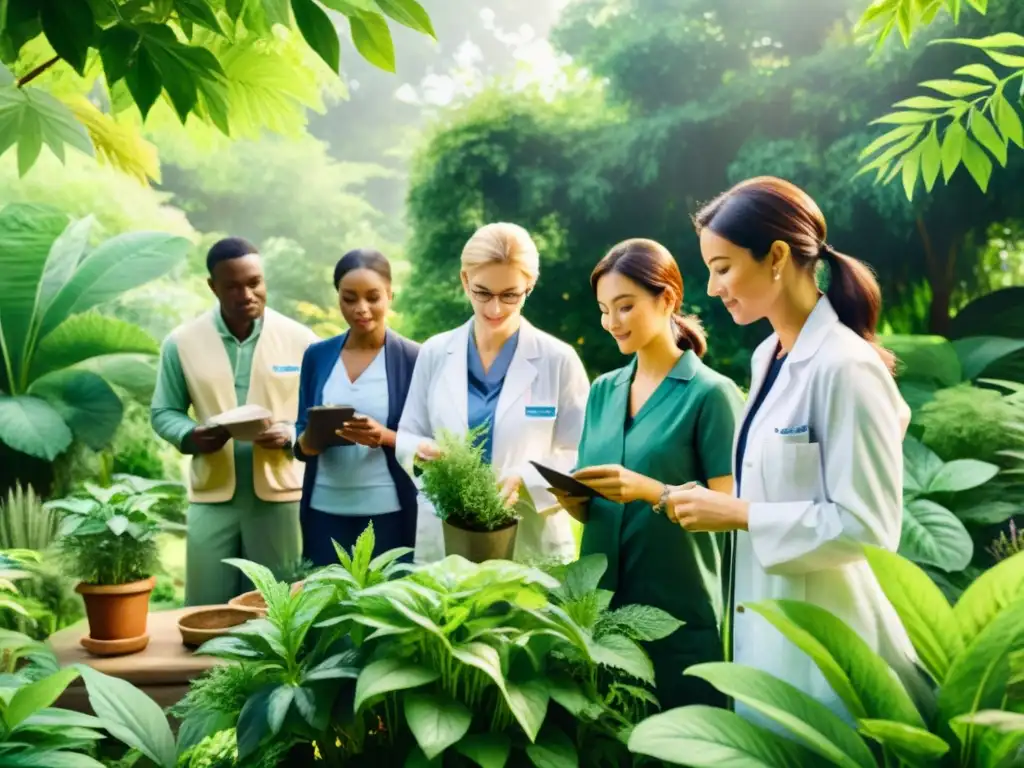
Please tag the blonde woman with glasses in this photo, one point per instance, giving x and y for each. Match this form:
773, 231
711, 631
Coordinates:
529, 388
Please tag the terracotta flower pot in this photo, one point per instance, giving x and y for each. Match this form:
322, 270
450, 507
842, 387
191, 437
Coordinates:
480, 546
117, 612
253, 601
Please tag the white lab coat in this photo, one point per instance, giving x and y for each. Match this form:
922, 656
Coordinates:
823, 472
544, 372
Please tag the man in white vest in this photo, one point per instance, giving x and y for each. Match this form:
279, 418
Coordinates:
244, 497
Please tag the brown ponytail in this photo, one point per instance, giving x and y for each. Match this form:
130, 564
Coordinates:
759, 212
855, 296
690, 334
650, 265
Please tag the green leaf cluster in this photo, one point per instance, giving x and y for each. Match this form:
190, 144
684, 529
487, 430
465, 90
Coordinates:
462, 486
965, 718
50, 280
107, 535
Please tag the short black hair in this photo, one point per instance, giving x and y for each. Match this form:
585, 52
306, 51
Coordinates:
362, 258
227, 249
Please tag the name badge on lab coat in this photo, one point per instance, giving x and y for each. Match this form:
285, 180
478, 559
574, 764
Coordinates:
541, 411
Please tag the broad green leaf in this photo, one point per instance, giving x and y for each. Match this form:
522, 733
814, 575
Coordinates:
900, 132
1007, 119
931, 158
981, 72
988, 512
1006, 59
85, 401
135, 374
341, 665
958, 89
922, 608
858, 675
933, 535
926, 102
87, 335
987, 136
708, 737
49, 759
911, 166
881, 163
1009, 722
275, 593
372, 39
388, 675
31, 425
482, 657
977, 353
118, 265
999, 40
619, 652
69, 28
962, 475
915, 746
319, 32
436, 720
977, 163
643, 622
253, 722
278, 703
199, 724
130, 716
118, 524
199, 12
529, 703
930, 359
920, 465
953, 142
63, 718
809, 721
978, 678
904, 118
30, 699
553, 749
27, 233
64, 256
488, 750
988, 595
31, 118
144, 81
408, 13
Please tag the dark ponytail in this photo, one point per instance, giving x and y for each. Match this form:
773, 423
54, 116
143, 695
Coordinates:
690, 334
650, 265
759, 212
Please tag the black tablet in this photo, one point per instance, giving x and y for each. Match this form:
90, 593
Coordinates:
566, 483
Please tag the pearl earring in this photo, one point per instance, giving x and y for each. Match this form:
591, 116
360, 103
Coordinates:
776, 274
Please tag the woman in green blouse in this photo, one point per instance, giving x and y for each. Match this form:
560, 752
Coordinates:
663, 420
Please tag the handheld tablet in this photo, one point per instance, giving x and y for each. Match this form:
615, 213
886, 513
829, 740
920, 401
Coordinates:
323, 423
566, 483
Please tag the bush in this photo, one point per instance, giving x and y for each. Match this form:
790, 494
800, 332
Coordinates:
967, 422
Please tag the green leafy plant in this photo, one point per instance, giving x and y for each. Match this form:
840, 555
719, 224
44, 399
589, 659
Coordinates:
932, 534
463, 487
107, 535
1007, 546
966, 649
197, 55
24, 522
376, 662
60, 359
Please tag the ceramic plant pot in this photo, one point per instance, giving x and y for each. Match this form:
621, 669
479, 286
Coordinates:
119, 611
480, 546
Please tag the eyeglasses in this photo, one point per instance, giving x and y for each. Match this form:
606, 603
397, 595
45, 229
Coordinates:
508, 297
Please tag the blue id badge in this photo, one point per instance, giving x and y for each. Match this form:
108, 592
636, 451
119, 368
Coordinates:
541, 411
286, 369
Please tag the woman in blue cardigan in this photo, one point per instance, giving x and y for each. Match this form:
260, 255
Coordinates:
368, 367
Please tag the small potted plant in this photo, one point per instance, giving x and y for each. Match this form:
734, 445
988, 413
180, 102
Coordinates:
478, 524
108, 541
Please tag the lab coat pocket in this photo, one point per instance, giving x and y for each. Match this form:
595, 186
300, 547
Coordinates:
792, 471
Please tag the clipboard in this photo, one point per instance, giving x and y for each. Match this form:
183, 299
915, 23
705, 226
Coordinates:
567, 483
323, 422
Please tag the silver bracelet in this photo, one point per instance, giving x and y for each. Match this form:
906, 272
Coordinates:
659, 508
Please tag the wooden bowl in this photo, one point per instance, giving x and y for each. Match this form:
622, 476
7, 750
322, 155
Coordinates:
206, 623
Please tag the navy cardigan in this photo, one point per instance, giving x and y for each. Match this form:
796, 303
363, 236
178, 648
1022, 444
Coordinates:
317, 363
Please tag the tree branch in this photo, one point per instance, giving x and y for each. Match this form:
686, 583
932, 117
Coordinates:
22, 82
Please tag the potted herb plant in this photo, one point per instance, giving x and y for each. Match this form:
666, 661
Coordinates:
478, 524
108, 542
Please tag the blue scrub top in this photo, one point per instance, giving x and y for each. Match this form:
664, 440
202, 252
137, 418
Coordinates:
485, 388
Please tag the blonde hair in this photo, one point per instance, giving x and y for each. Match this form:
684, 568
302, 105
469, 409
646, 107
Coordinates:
502, 243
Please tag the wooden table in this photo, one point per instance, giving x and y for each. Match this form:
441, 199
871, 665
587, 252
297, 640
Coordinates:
163, 670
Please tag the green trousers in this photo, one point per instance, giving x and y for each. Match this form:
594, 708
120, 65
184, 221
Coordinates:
265, 532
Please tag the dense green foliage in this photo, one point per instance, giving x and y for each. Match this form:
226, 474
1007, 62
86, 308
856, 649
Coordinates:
202, 56
692, 101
